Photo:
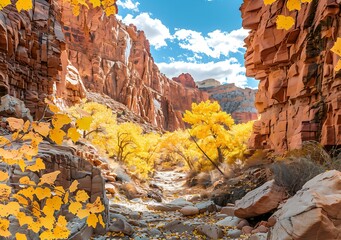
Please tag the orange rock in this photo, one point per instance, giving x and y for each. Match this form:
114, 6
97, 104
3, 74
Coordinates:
299, 93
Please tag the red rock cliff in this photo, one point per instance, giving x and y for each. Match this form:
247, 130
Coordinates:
115, 59
299, 95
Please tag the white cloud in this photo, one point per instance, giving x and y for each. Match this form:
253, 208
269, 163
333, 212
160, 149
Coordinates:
227, 71
215, 44
129, 4
156, 32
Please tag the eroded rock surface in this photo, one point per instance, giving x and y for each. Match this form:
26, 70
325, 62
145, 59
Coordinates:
299, 95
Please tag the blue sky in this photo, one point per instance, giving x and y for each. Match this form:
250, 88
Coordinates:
202, 37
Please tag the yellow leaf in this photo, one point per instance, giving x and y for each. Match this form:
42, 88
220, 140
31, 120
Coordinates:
269, 2
15, 135
24, 219
42, 128
82, 2
73, 134
27, 192
47, 234
36, 209
112, 10
82, 213
61, 231
29, 150
337, 47
74, 207
15, 123
54, 203
49, 178
48, 222
3, 176
284, 22
4, 225
96, 207
76, 9
53, 108
48, 211
294, 5
84, 123
12, 208
24, 5
338, 66
73, 186
37, 166
22, 164
4, 3
43, 193
20, 199
26, 181
92, 220
34, 137
306, 1
100, 220
5, 191
4, 140
20, 236
57, 135
82, 196
66, 197
26, 126
59, 120
59, 191
95, 3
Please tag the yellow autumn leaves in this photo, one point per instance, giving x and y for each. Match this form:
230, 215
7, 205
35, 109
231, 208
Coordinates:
286, 22
109, 6
38, 204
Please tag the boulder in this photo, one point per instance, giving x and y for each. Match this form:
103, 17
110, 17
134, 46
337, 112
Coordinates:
314, 212
229, 222
228, 210
120, 225
210, 231
178, 227
260, 200
189, 211
208, 206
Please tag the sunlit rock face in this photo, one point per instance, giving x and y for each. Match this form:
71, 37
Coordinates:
115, 59
238, 102
299, 96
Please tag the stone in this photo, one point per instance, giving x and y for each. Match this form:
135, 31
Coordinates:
186, 80
314, 212
211, 231
259, 236
242, 224
234, 233
260, 200
120, 225
154, 233
262, 229
247, 229
228, 210
189, 211
179, 227
110, 188
208, 206
229, 222
298, 94
130, 191
13, 107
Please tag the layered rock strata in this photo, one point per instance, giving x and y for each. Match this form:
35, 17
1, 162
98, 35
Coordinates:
239, 102
299, 96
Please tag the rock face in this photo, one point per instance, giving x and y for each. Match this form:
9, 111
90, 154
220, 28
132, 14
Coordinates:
186, 80
30, 48
236, 101
299, 95
115, 59
314, 212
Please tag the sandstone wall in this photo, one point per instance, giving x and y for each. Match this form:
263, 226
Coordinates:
299, 95
236, 101
115, 59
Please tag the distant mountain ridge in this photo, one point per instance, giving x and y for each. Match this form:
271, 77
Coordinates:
238, 102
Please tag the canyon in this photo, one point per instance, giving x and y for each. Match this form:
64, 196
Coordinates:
50, 52
299, 96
